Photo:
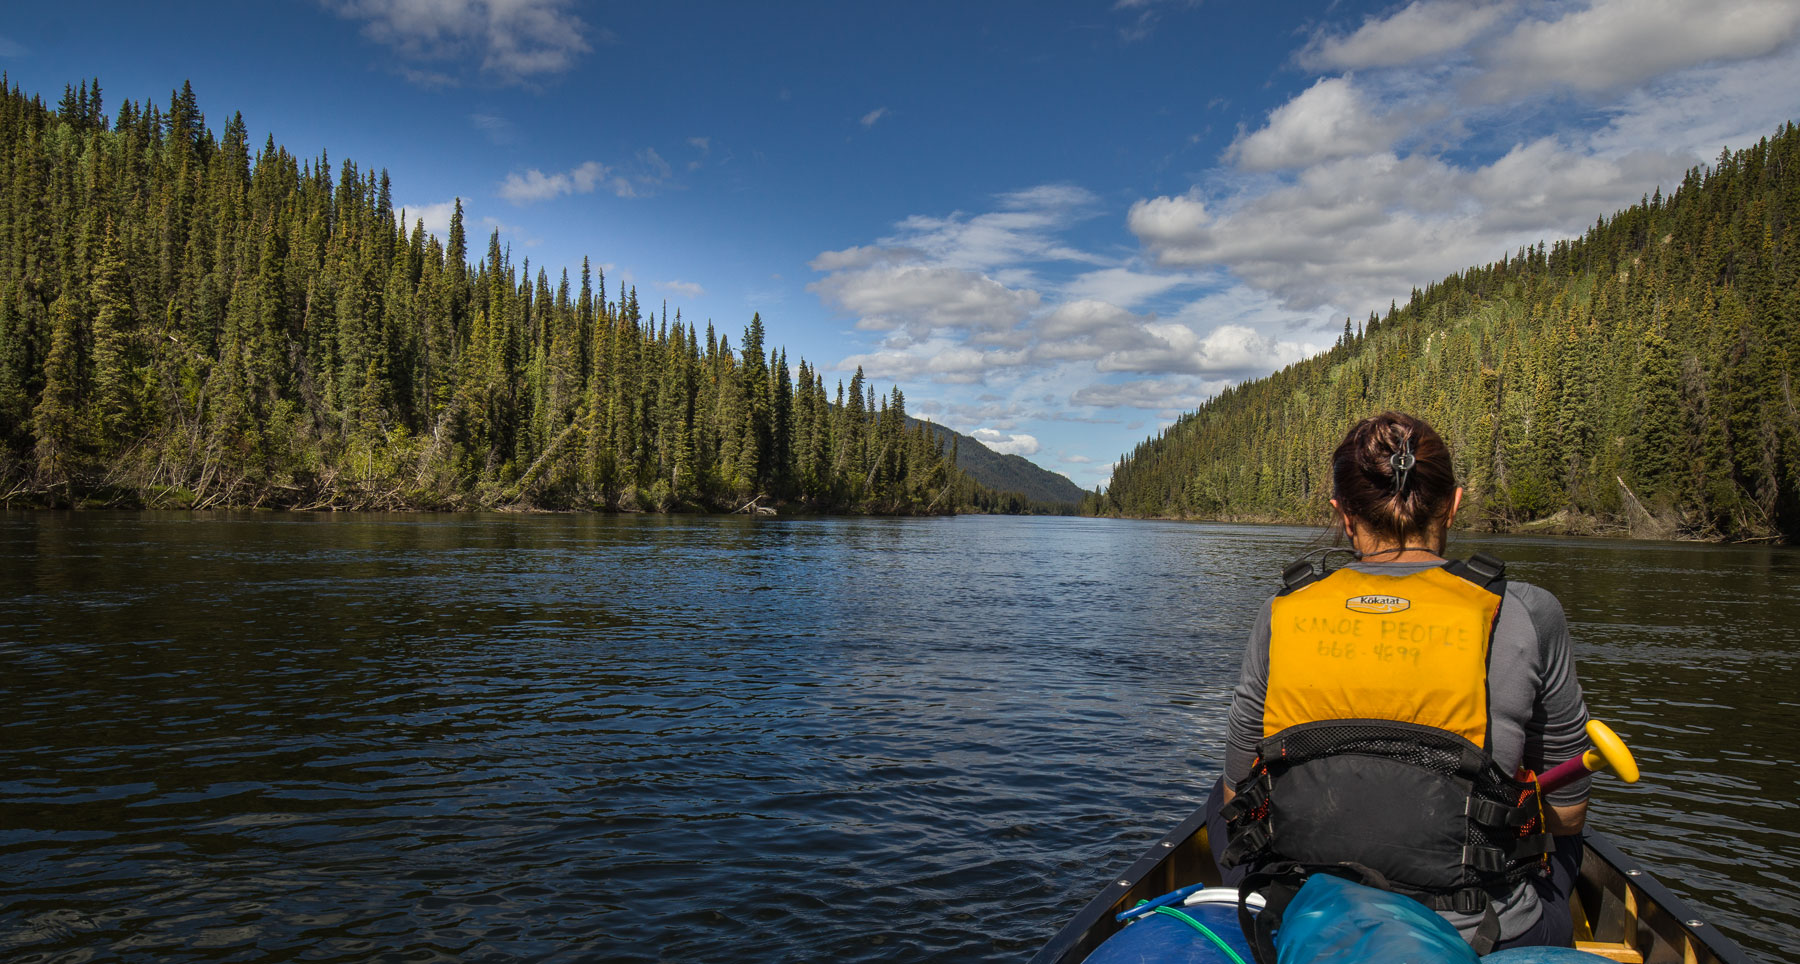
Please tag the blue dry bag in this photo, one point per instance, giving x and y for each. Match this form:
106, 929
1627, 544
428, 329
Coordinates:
1334, 921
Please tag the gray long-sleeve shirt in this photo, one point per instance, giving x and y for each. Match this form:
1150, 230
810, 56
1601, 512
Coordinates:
1537, 715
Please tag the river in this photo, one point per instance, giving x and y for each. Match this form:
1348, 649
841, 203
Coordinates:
264, 737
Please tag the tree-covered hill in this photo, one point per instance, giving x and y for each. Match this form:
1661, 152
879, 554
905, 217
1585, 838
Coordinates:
1641, 378
188, 321
1041, 489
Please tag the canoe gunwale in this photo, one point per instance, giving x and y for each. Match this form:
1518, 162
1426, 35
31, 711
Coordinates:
1662, 921
1152, 875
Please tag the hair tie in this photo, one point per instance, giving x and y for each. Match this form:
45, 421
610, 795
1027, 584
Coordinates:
1402, 462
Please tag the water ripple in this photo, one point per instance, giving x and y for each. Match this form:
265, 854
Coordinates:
423, 738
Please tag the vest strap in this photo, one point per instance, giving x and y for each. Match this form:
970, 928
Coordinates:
1487, 933
1499, 814
1253, 793
1494, 860
1481, 569
1297, 575
1247, 844
1473, 762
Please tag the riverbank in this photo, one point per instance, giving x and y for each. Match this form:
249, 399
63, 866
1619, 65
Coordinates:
1566, 522
355, 501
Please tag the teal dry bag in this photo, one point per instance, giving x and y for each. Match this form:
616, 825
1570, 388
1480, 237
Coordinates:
1336, 921
1332, 921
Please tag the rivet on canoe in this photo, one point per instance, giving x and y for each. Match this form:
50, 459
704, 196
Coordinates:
1696, 923
1633, 873
1167, 844
1124, 883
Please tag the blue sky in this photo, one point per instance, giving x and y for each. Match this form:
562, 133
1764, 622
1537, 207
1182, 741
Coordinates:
1055, 226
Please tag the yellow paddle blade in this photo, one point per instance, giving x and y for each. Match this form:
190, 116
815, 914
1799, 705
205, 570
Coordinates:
1609, 752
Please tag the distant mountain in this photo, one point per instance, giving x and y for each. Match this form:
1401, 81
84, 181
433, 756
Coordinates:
1006, 473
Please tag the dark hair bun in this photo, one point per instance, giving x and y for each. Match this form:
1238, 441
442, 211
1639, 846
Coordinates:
1392, 473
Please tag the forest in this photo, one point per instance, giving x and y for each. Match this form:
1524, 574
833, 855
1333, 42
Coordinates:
186, 322
1640, 379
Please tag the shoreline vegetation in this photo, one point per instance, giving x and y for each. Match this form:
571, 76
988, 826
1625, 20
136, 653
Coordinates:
1642, 380
1563, 523
187, 324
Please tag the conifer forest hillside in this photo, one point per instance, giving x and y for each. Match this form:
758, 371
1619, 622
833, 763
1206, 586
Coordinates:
187, 321
1640, 379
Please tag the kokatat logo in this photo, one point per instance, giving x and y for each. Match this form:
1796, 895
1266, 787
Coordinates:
1377, 605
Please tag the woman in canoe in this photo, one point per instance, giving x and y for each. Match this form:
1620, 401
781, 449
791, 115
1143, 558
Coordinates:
1385, 709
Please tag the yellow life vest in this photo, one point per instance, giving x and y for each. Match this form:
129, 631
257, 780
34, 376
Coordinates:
1375, 745
1356, 645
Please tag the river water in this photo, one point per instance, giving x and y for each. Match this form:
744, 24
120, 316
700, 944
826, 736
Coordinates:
486, 738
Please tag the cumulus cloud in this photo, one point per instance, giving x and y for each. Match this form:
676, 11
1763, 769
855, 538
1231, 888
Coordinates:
956, 300
1424, 28
535, 185
435, 216
1702, 110
1006, 443
920, 299
687, 288
1166, 396
1028, 227
1427, 146
1124, 286
1615, 44
869, 119
943, 360
1331, 119
513, 40
642, 177
1233, 349
1357, 232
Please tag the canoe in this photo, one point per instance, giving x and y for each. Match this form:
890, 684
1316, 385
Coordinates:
1621, 912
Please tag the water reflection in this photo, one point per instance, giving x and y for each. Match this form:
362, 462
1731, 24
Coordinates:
256, 737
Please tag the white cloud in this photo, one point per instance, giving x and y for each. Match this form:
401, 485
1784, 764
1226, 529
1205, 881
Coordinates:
655, 170
1006, 443
920, 299
497, 129
862, 256
436, 217
1027, 228
1384, 183
1354, 233
514, 40
1424, 28
535, 185
957, 299
687, 288
1614, 44
1234, 349
1166, 396
1703, 110
1086, 318
941, 360
869, 119
647, 174
1331, 119
1124, 286
428, 79
1349, 195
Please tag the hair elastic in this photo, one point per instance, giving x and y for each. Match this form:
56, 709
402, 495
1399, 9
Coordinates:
1402, 462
